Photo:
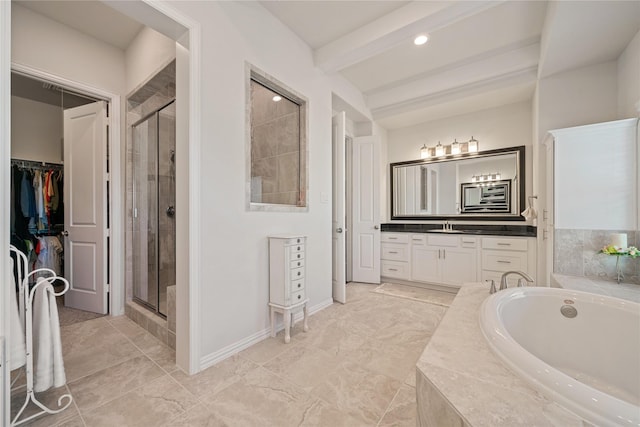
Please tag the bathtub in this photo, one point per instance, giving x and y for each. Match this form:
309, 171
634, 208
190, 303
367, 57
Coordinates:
589, 363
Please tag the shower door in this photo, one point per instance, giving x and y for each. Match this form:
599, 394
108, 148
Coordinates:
154, 208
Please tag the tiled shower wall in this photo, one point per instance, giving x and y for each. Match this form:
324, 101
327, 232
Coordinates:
575, 253
275, 148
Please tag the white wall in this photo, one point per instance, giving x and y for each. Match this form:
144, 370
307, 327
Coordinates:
629, 80
501, 127
235, 288
50, 46
145, 56
36, 131
578, 97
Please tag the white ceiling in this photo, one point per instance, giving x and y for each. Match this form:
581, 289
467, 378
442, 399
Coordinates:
481, 54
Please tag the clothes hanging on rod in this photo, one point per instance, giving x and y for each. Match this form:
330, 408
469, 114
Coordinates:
37, 210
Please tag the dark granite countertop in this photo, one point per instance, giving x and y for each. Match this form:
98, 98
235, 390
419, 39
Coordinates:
476, 229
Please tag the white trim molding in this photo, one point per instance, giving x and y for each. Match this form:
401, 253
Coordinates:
228, 351
5, 182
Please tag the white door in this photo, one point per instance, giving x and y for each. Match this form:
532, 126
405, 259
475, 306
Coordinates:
338, 278
85, 154
366, 209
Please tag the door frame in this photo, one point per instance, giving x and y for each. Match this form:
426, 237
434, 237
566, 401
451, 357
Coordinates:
115, 210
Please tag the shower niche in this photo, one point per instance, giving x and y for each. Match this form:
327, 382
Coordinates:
151, 118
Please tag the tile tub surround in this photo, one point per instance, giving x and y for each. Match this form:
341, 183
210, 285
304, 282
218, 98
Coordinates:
460, 382
626, 291
575, 253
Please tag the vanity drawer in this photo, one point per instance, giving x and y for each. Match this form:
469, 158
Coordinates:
296, 273
438, 240
504, 261
504, 243
394, 237
394, 252
396, 269
297, 263
419, 239
468, 242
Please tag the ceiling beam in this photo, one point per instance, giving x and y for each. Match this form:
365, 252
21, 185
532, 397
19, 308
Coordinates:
394, 28
481, 68
514, 78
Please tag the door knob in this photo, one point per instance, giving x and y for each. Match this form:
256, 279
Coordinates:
171, 211
65, 233
339, 230
376, 227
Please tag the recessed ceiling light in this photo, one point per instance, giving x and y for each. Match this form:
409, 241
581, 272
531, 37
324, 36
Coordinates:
276, 98
420, 40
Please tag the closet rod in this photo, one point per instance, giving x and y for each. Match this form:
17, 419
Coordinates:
33, 164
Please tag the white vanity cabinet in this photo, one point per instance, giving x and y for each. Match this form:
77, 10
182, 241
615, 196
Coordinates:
287, 290
394, 255
449, 260
443, 259
502, 254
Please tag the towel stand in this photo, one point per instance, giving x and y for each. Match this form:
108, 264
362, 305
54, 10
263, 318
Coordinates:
25, 305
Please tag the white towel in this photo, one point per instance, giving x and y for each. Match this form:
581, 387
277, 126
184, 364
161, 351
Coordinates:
17, 352
529, 213
47, 345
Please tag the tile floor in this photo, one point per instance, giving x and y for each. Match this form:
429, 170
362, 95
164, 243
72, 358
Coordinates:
355, 367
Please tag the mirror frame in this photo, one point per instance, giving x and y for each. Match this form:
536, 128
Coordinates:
467, 217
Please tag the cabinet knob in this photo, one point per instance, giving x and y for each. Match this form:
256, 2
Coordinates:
298, 247
298, 273
298, 256
298, 264
299, 296
299, 285
298, 241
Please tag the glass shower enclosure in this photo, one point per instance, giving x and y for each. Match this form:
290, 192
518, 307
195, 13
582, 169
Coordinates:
154, 231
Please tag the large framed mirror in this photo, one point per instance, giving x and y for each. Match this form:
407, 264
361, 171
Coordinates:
487, 185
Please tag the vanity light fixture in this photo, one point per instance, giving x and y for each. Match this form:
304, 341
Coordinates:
276, 98
424, 151
420, 40
439, 149
455, 147
472, 145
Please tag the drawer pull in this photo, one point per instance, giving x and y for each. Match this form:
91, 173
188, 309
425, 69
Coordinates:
393, 252
298, 247
299, 285
299, 263
393, 269
299, 296
504, 244
299, 273
393, 238
504, 262
298, 256
298, 241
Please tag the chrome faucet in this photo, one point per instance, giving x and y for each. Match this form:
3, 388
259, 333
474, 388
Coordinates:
503, 279
446, 226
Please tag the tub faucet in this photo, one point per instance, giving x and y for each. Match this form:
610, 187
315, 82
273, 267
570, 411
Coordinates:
503, 279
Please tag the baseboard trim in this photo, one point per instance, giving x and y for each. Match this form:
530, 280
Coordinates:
228, 351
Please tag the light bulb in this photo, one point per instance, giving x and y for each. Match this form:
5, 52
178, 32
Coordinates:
424, 151
439, 149
455, 147
472, 146
420, 40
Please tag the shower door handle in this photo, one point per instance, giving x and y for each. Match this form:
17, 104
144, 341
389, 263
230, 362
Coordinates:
171, 211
